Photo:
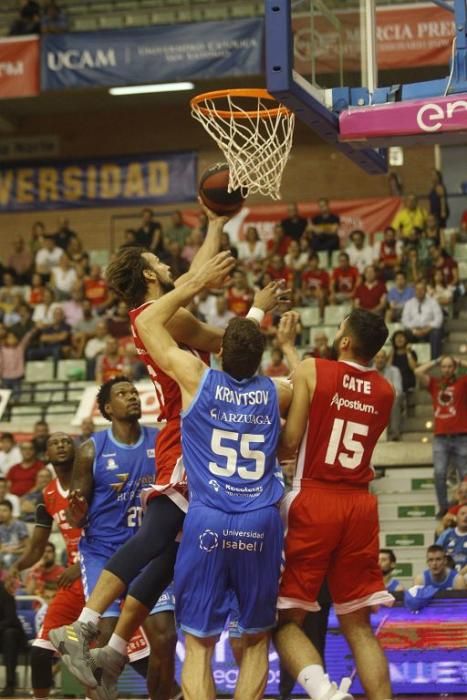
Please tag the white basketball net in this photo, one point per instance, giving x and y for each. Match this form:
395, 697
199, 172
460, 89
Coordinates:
255, 141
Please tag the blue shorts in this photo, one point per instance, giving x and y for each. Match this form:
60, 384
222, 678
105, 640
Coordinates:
93, 556
234, 612
224, 553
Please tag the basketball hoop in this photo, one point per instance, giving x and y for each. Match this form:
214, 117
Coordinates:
254, 137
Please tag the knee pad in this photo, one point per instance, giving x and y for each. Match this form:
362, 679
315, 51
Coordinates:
41, 667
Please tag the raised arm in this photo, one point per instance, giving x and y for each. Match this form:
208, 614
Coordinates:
212, 242
421, 372
286, 335
303, 389
82, 484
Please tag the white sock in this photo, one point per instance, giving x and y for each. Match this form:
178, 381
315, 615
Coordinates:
313, 679
118, 644
88, 615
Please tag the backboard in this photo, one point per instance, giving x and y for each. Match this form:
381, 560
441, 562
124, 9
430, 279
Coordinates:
323, 64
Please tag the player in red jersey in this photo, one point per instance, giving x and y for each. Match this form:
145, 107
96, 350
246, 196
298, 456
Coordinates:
69, 599
140, 278
338, 412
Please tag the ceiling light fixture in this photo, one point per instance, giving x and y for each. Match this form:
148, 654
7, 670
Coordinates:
148, 89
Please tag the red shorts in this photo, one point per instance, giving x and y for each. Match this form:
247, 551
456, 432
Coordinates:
333, 532
63, 609
170, 474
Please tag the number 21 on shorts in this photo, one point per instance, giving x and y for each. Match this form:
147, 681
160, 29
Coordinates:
344, 433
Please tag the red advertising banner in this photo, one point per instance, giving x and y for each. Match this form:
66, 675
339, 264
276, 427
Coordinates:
369, 215
19, 67
412, 35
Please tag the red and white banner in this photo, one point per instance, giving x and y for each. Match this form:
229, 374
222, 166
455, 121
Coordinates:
19, 67
407, 35
369, 215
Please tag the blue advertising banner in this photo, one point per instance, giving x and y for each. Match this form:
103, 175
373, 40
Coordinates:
117, 181
152, 54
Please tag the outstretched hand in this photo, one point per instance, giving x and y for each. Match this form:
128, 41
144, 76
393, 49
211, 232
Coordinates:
271, 295
212, 216
77, 508
288, 327
214, 273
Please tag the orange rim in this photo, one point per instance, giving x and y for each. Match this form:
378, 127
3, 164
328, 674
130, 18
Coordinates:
196, 105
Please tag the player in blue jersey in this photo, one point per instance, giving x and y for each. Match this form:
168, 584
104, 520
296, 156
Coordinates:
454, 540
110, 470
438, 575
232, 535
387, 564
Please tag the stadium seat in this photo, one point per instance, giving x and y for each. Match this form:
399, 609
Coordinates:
323, 259
46, 392
216, 13
460, 251
19, 413
39, 371
84, 24
329, 330
309, 316
378, 236
463, 270
66, 411
423, 352
393, 327
76, 390
164, 17
335, 314
242, 10
71, 369
111, 22
134, 19
335, 258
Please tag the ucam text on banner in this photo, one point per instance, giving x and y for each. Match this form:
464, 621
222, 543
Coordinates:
152, 54
122, 181
19, 67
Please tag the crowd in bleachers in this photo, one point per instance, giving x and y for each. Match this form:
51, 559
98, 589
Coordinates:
38, 18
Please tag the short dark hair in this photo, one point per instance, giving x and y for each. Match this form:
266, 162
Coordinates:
7, 503
125, 275
242, 348
342, 253
50, 544
103, 395
435, 548
390, 553
395, 334
368, 331
7, 436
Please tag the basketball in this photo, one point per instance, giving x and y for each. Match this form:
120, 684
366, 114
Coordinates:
214, 193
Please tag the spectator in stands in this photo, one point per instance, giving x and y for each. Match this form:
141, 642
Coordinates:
25, 324
54, 20
53, 340
22, 476
173, 258
64, 234
13, 535
277, 367
387, 564
40, 436
6, 495
409, 216
454, 540
321, 347
118, 322
63, 278
12, 640
75, 251
279, 243
111, 363
95, 288
432, 232
30, 499
43, 579
371, 293
36, 291
405, 359
325, 227
221, 315
443, 262
392, 374
28, 21
448, 395
96, 344
193, 244
344, 280
411, 265
133, 366
360, 253
21, 261
12, 361
87, 429
417, 239
315, 283
43, 313
149, 234
439, 290
388, 253
227, 245
11, 315
87, 325
73, 307
205, 304
437, 196
37, 232
294, 225
178, 231
47, 257
239, 294
10, 453
461, 498
252, 248
438, 574
422, 318
296, 259
277, 269
8, 291
398, 295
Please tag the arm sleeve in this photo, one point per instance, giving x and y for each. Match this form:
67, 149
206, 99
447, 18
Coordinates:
43, 517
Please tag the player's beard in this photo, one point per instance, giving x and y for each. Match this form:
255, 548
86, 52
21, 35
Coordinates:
334, 350
166, 287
